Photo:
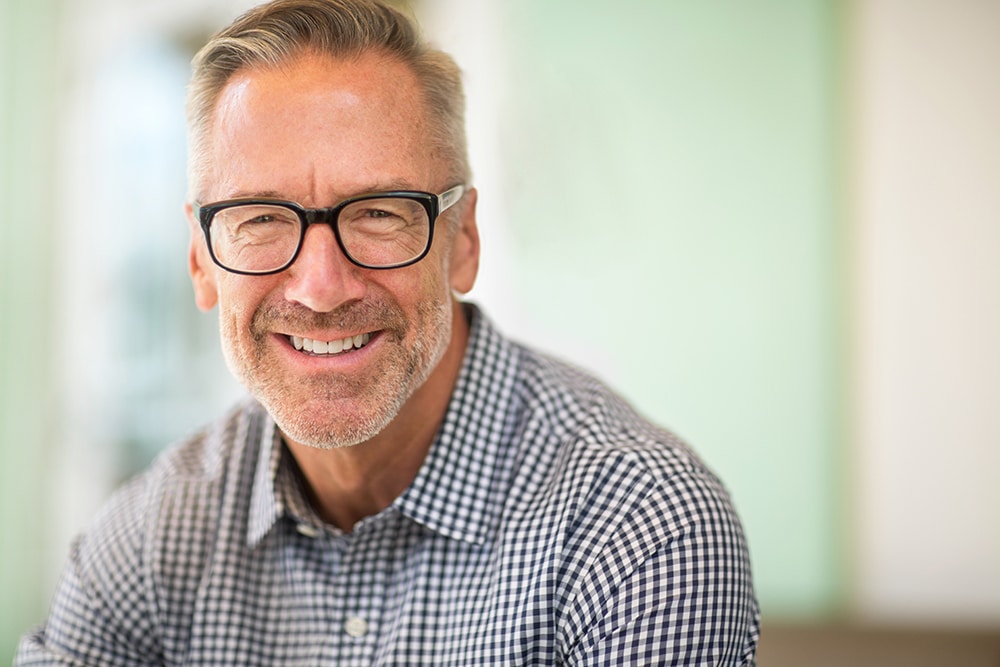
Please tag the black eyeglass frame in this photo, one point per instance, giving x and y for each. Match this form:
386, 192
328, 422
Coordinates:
433, 204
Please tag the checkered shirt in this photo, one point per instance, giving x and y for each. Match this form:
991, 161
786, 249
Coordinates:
549, 525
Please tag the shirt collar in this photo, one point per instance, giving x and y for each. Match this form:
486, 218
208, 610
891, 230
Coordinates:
277, 487
459, 489
266, 505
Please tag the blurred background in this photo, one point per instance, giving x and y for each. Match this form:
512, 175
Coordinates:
772, 225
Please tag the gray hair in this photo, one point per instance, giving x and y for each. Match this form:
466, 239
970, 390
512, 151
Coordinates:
277, 32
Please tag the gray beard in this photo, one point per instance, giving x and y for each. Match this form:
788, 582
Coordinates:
380, 396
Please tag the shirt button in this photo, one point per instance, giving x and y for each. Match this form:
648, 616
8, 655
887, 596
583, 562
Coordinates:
307, 530
356, 626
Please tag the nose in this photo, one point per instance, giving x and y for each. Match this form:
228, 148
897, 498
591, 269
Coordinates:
322, 278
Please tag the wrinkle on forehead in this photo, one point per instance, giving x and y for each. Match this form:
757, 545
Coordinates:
390, 87
362, 119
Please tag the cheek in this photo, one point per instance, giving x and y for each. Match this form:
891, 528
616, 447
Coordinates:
239, 299
435, 284
437, 272
423, 282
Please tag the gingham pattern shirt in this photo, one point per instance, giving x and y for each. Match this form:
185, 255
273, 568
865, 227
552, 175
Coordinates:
548, 525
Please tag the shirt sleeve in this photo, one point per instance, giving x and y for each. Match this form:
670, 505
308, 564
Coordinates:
674, 586
103, 611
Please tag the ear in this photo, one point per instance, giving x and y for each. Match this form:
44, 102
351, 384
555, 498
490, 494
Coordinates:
465, 246
200, 266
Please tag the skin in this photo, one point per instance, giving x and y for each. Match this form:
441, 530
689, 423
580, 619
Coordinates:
316, 131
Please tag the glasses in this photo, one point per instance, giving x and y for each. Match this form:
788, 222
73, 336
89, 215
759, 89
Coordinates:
385, 230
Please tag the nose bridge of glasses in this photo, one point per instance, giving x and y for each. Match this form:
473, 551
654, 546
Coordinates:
321, 216
324, 216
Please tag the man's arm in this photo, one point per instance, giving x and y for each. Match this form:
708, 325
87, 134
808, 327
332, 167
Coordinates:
671, 593
102, 613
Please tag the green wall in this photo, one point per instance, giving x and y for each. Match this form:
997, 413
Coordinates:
28, 65
671, 168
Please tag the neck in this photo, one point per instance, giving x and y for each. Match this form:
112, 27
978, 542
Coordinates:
350, 483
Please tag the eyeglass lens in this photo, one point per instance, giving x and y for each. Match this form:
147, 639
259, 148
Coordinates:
374, 232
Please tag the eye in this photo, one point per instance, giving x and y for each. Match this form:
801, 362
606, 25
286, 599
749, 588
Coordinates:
387, 211
255, 222
261, 219
378, 214
256, 215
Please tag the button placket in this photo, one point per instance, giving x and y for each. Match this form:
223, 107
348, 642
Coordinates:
361, 586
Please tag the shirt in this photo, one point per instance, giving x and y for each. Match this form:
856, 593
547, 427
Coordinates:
549, 524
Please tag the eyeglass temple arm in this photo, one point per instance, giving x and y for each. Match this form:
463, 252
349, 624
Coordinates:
448, 198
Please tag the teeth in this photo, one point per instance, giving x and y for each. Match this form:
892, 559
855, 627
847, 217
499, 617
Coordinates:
331, 347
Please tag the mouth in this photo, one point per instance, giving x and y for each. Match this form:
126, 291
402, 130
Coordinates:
323, 348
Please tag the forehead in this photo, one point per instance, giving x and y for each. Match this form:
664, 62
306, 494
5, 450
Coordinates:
317, 128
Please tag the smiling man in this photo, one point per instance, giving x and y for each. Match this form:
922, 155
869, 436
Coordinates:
403, 485
339, 349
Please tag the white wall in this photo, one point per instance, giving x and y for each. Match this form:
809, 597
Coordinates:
927, 181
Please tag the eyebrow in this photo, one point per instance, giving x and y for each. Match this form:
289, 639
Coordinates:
384, 186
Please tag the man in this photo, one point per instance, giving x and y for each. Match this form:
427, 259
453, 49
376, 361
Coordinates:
406, 486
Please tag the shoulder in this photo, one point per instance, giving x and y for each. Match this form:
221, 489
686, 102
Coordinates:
591, 430
615, 487
182, 474
183, 482
156, 532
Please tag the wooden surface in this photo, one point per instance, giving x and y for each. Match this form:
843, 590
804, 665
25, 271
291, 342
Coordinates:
847, 645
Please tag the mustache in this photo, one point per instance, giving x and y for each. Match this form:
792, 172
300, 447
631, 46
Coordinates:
368, 315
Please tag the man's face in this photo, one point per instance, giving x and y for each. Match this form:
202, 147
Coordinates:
317, 131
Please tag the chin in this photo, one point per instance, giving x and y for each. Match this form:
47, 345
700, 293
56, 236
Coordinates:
305, 429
